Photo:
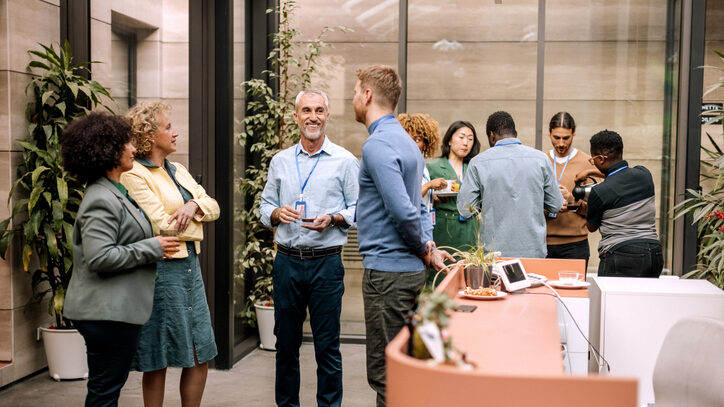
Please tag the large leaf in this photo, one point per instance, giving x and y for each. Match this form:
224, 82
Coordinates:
37, 172
50, 239
34, 196
62, 191
27, 252
59, 300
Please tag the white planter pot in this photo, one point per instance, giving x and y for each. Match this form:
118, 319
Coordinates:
265, 321
66, 353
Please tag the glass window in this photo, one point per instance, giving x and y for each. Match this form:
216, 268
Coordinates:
239, 296
371, 39
123, 64
468, 59
605, 64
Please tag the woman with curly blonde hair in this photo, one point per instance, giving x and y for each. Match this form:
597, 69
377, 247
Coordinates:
179, 332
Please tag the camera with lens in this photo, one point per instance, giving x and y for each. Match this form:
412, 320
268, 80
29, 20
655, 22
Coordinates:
581, 191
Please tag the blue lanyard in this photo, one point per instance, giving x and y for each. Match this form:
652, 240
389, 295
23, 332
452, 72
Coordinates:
299, 174
622, 168
499, 144
425, 177
463, 173
564, 166
377, 122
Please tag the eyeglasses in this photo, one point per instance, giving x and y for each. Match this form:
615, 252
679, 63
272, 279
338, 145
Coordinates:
592, 160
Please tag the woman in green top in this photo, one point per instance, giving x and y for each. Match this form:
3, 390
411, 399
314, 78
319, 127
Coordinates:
459, 145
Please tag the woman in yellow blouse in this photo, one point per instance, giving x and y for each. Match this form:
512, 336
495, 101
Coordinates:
179, 333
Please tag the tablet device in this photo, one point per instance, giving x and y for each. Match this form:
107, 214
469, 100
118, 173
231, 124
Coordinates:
512, 275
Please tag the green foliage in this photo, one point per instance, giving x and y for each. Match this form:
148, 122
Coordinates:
47, 197
269, 127
707, 208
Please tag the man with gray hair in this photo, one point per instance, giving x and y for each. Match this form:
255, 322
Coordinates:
310, 198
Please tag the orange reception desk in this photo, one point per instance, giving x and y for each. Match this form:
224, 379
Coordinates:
515, 346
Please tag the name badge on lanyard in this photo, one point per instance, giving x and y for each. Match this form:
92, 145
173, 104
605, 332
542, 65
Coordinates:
433, 216
554, 215
301, 204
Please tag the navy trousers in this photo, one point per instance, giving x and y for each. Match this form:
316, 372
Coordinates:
317, 284
111, 346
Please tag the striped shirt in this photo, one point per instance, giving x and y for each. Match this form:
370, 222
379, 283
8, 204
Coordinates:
623, 206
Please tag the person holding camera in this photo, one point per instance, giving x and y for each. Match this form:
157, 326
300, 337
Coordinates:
566, 232
623, 208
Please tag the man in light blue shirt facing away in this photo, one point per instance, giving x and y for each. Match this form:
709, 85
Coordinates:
394, 228
310, 198
510, 185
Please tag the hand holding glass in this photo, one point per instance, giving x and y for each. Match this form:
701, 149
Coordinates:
169, 241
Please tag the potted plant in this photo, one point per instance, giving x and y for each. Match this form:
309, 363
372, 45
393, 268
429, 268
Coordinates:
478, 262
46, 196
269, 127
707, 207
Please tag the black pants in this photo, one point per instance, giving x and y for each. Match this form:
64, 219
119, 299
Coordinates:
110, 346
575, 250
641, 258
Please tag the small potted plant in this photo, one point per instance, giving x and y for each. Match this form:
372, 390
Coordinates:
430, 338
47, 197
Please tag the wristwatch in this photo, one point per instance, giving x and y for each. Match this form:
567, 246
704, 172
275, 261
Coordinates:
331, 222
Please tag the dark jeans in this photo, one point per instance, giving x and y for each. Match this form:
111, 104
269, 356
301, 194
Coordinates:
575, 250
111, 346
639, 258
388, 297
319, 285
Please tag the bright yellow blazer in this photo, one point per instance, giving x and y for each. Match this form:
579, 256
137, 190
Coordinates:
155, 192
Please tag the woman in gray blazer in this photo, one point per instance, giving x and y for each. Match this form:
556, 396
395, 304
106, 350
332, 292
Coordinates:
110, 294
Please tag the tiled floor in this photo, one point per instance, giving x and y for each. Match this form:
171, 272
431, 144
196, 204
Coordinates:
249, 383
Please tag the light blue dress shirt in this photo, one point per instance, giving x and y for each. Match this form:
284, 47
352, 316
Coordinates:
332, 188
511, 184
393, 221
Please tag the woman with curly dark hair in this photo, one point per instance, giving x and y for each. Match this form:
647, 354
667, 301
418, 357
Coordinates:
110, 294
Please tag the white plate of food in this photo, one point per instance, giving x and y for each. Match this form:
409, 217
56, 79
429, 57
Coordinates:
484, 294
569, 284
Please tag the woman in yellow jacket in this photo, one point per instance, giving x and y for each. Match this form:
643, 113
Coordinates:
179, 333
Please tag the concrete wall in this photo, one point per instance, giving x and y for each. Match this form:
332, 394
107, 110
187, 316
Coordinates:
162, 69
23, 24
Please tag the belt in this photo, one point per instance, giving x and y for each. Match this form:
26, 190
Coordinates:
309, 253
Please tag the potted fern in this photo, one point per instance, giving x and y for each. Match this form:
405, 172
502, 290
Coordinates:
46, 196
269, 127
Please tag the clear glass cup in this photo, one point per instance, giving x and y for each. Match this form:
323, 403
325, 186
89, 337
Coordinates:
168, 232
569, 275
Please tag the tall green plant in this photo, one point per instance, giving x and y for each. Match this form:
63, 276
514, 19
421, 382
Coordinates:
707, 207
269, 127
48, 196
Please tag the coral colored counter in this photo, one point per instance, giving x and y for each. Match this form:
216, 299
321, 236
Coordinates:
515, 344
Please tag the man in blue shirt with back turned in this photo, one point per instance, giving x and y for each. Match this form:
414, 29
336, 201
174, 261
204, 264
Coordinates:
394, 229
310, 198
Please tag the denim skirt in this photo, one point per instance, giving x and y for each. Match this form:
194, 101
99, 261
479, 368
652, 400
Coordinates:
180, 321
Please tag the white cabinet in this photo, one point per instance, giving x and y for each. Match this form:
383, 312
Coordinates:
576, 347
629, 318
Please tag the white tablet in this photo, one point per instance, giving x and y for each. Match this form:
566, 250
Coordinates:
512, 274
